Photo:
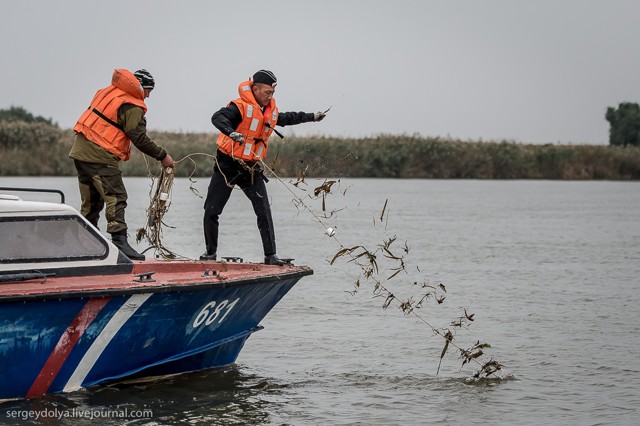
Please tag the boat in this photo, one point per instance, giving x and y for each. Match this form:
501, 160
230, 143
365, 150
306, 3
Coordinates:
75, 312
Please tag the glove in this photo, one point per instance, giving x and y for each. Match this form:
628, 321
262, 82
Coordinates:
318, 116
236, 136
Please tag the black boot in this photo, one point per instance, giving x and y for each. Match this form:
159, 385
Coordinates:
273, 259
207, 256
123, 245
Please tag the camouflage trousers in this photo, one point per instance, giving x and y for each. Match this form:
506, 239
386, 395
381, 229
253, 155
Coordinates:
102, 185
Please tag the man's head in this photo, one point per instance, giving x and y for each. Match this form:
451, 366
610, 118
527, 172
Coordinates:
146, 81
264, 86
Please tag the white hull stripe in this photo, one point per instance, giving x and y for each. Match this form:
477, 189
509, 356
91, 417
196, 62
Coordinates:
100, 343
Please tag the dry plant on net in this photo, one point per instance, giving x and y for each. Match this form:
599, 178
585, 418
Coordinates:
383, 279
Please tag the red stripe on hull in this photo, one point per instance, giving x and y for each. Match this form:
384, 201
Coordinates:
64, 346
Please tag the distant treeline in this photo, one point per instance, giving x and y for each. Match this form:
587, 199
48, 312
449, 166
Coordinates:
40, 148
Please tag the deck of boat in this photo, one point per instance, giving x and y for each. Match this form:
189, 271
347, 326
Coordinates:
150, 276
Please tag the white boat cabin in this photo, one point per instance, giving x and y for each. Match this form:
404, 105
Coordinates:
45, 236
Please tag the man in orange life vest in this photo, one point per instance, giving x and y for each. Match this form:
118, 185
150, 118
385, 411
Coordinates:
103, 138
245, 125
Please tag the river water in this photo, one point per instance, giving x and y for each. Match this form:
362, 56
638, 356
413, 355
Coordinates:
550, 270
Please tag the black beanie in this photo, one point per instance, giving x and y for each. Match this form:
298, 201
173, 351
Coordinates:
265, 77
145, 78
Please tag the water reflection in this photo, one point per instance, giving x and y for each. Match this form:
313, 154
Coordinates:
229, 396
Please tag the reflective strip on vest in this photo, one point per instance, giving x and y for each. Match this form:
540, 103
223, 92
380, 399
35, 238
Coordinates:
245, 88
254, 124
247, 149
259, 154
249, 110
274, 116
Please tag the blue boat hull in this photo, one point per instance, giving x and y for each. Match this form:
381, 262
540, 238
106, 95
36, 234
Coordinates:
62, 344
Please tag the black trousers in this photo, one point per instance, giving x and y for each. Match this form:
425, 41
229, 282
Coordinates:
226, 174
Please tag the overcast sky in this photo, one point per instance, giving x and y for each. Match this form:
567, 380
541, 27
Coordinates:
540, 71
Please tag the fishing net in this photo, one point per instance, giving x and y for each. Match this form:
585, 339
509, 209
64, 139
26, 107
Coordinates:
160, 200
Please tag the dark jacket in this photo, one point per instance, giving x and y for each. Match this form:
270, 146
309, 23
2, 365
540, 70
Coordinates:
227, 119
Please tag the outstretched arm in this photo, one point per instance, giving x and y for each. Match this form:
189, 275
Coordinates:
228, 119
292, 118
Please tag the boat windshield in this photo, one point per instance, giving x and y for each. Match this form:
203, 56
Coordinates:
53, 238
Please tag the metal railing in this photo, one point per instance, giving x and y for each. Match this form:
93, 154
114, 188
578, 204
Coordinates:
56, 191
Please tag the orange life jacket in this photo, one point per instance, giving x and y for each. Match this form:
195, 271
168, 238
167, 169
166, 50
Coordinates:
99, 123
256, 127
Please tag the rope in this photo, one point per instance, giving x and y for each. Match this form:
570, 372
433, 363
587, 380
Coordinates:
299, 200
